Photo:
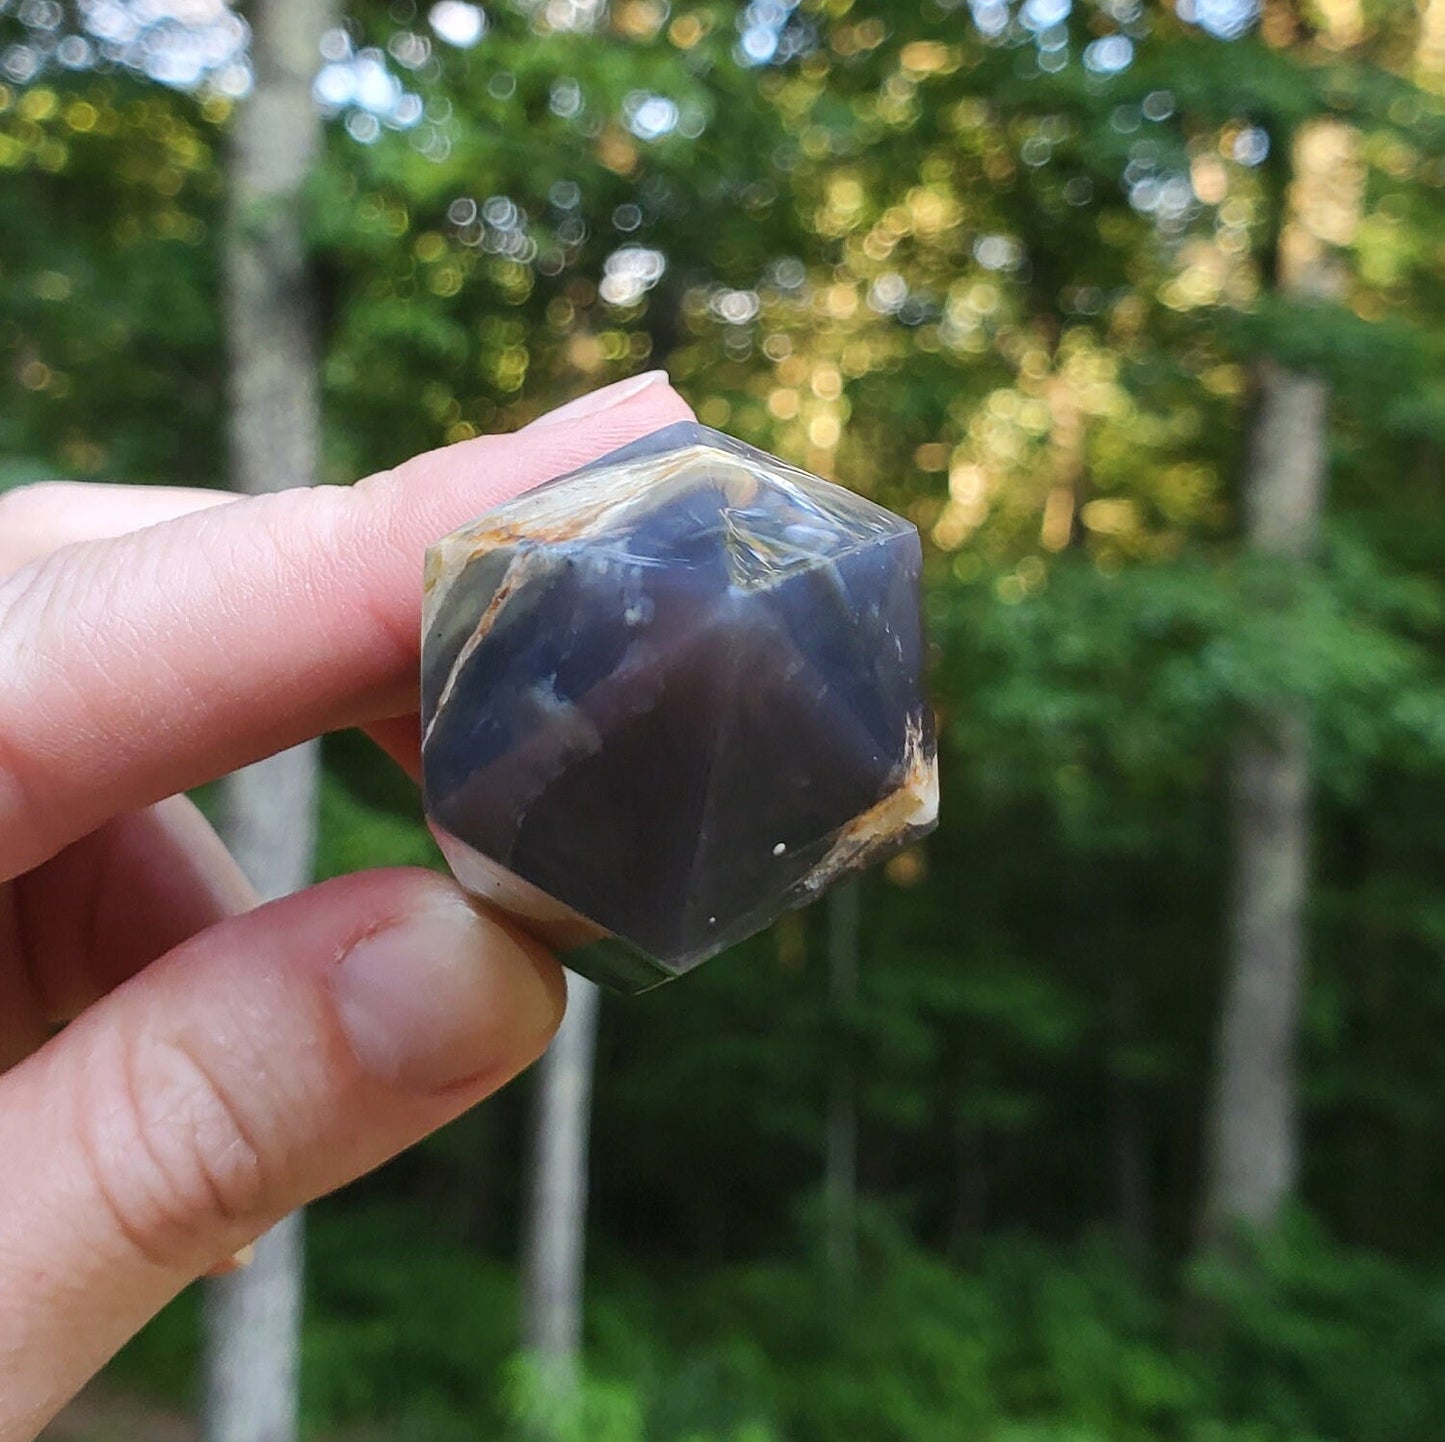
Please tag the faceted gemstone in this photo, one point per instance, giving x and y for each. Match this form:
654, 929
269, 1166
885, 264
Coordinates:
671, 695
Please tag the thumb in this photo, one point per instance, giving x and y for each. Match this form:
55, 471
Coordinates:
264, 1062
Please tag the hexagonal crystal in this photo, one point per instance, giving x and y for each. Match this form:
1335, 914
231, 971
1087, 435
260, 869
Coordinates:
671, 695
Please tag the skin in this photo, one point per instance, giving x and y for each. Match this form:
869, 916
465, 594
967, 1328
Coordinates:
211, 1073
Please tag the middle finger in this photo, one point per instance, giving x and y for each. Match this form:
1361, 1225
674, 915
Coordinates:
111, 903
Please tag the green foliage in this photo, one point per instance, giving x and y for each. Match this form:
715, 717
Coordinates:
359, 1366
1300, 1339
958, 288
1377, 366
1125, 683
536, 1407
1322, 1340
356, 834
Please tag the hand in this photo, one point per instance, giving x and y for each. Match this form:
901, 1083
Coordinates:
221, 1063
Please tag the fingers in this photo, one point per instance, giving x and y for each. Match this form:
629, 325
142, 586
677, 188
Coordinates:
106, 906
23, 1026
41, 518
400, 738
140, 666
117, 899
257, 1066
148, 880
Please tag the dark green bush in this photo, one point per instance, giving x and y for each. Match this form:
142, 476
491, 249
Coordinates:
410, 1335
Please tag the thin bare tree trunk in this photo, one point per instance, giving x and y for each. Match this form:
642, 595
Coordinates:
270, 309
1253, 1137
840, 1179
556, 1230
252, 1373
253, 1317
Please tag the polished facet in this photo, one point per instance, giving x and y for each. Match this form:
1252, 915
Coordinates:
671, 695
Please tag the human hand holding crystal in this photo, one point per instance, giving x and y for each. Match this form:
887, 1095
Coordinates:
221, 1063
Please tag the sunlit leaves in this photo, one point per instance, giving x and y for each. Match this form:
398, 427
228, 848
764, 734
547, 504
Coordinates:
458, 23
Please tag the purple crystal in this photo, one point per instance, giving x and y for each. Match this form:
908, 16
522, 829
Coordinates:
671, 695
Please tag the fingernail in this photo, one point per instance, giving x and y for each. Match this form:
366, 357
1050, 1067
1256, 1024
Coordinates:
595, 402
236, 1262
443, 996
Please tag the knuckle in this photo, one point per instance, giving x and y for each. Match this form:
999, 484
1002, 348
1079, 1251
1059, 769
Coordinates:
172, 1159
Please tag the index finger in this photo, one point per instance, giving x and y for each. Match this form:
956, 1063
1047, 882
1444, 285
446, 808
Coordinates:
140, 666
41, 518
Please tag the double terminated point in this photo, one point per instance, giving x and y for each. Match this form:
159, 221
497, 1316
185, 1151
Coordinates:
671, 695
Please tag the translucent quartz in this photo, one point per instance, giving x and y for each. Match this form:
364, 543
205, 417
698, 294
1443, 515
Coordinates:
671, 695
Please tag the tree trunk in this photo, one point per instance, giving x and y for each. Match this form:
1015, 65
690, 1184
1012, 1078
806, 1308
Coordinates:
1254, 1141
275, 382
840, 1181
253, 1317
556, 1228
1253, 1134
252, 1356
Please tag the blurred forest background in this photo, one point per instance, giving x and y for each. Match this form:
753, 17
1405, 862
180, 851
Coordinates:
1113, 1111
